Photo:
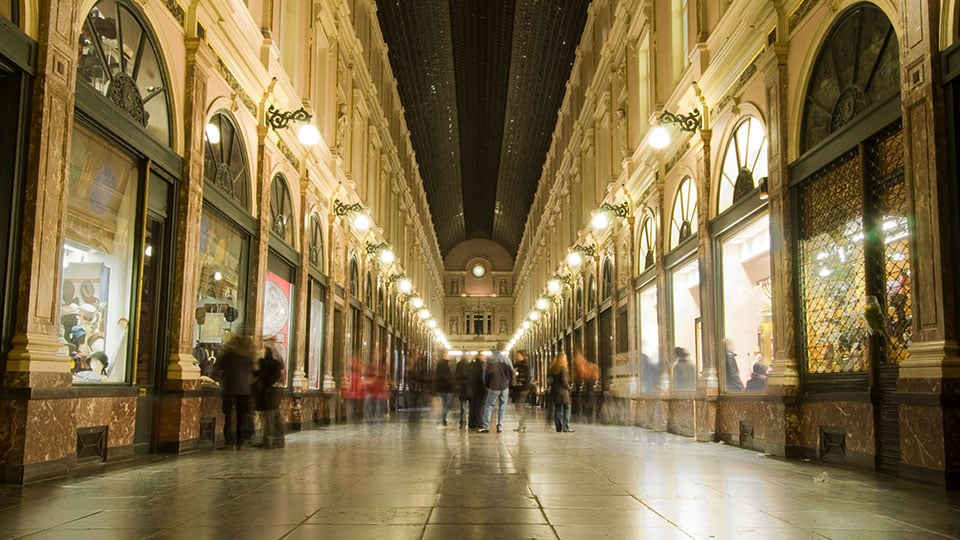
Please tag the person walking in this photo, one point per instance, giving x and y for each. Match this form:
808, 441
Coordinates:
267, 398
462, 376
444, 384
235, 366
497, 376
521, 389
479, 393
560, 393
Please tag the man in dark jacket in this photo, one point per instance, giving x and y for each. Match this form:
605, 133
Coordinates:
443, 384
479, 393
236, 368
462, 375
496, 377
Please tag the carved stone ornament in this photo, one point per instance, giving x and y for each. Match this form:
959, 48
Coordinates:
124, 94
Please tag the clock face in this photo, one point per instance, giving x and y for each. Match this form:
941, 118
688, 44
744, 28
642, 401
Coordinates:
276, 309
478, 270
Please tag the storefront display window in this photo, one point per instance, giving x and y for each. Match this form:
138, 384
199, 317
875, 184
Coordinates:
315, 358
99, 258
747, 313
649, 340
687, 353
278, 296
222, 293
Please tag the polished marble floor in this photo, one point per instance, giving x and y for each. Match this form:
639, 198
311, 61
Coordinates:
403, 478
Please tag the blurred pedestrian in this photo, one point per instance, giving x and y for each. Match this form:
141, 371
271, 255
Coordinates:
235, 366
521, 389
479, 395
267, 398
462, 375
560, 393
444, 384
497, 376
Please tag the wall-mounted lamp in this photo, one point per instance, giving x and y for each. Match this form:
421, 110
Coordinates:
308, 133
578, 252
556, 282
601, 218
764, 194
543, 304
360, 220
660, 137
404, 285
386, 254
416, 302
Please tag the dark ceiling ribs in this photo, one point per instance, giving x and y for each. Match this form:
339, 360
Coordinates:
481, 82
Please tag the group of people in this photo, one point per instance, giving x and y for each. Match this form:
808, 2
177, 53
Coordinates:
244, 376
483, 386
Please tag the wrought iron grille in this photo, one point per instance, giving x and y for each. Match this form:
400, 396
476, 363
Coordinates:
832, 277
890, 274
855, 259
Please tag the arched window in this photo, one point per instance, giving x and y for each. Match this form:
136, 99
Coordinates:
606, 290
578, 308
591, 293
316, 242
744, 163
119, 59
648, 245
684, 221
224, 159
368, 291
858, 66
380, 299
281, 210
354, 283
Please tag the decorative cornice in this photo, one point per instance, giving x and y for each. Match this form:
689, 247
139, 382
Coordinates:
678, 155
738, 86
174, 8
235, 86
287, 153
798, 14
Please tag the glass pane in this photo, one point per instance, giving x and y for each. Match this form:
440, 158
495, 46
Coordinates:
222, 292
6, 10
277, 310
686, 326
647, 252
649, 340
745, 160
99, 259
747, 313
684, 221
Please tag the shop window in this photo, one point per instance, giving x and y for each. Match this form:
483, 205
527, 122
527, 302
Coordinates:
354, 283
683, 221
316, 243
317, 314
282, 223
857, 66
224, 159
687, 354
747, 310
278, 294
606, 290
222, 290
744, 163
855, 271
649, 339
119, 59
99, 258
646, 255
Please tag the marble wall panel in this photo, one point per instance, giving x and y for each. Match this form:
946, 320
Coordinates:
118, 414
856, 419
922, 441
680, 418
51, 430
13, 431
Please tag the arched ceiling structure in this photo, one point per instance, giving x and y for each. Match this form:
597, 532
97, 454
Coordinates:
481, 82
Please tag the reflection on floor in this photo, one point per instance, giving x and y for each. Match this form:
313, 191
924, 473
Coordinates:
403, 478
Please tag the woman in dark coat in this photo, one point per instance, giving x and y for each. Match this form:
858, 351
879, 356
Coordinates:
267, 398
560, 393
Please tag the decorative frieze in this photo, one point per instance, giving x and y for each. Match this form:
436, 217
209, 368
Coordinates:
174, 8
798, 14
287, 153
224, 72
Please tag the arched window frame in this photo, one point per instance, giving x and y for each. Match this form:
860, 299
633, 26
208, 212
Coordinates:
606, 288
683, 221
315, 254
744, 162
354, 279
647, 254
225, 161
281, 211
